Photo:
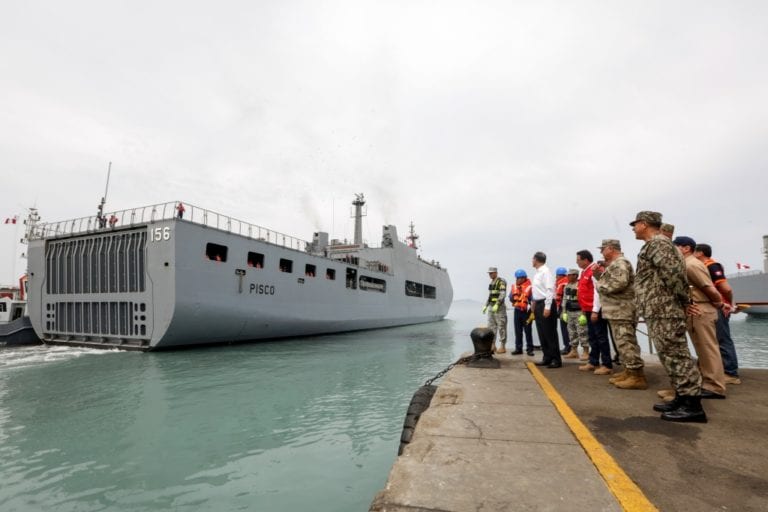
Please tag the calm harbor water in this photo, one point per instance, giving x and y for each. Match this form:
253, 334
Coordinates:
302, 424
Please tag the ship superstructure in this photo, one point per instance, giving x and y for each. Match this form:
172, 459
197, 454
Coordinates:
152, 279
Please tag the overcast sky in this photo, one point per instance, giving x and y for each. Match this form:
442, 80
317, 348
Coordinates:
498, 128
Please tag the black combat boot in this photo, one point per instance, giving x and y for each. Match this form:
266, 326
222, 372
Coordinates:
690, 411
669, 406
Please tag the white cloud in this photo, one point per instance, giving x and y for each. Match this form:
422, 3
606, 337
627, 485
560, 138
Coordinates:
499, 128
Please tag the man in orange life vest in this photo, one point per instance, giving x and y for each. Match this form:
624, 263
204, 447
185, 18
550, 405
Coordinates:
703, 253
520, 297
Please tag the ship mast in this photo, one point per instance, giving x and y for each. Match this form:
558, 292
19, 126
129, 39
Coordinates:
358, 215
412, 236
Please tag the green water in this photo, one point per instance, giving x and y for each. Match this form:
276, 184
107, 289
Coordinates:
297, 425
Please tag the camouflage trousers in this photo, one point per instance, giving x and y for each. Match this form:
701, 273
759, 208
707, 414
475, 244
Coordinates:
577, 333
668, 336
626, 343
497, 322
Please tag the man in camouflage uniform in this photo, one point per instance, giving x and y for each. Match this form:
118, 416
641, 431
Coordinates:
616, 286
496, 309
662, 296
668, 230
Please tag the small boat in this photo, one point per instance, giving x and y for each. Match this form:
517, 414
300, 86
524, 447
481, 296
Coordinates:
173, 274
15, 326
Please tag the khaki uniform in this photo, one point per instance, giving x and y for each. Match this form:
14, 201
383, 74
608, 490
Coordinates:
617, 296
702, 329
662, 294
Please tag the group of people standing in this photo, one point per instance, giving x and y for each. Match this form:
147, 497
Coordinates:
677, 288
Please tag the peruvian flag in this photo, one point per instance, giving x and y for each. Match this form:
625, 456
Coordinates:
12, 220
740, 266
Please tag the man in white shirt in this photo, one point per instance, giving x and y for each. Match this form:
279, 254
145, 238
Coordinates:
543, 310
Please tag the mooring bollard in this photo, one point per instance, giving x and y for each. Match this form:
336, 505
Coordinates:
482, 340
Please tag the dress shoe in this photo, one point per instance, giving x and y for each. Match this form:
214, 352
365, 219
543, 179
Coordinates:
543, 363
555, 364
530, 352
705, 393
516, 352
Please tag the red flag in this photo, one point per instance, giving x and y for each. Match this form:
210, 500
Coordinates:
11, 220
740, 266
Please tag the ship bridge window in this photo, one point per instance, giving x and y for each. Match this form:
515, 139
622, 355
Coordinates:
310, 270
413, 289
351, 278
286, 265
372, 284
330, 273
430, 292
2, 307
216, 252
255, 260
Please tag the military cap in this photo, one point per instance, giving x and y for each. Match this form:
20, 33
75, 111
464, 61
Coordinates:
647, 216
573, 271
669, 228
610, 242
493, 269
685, 241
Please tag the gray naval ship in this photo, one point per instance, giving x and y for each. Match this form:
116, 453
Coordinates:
750, 289
162, 277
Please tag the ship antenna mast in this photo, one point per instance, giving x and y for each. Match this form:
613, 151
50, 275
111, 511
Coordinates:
358, 215
100, 214
412, 236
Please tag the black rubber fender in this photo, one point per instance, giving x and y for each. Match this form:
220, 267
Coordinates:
419, 403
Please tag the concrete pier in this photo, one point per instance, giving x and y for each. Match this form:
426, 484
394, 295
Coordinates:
525, 438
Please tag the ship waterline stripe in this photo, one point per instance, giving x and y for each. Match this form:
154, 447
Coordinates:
629, 495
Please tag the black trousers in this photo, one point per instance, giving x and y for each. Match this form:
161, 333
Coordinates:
547, 331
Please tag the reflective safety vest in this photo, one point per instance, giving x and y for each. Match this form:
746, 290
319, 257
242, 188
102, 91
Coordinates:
521, 295
559, 287
497, 290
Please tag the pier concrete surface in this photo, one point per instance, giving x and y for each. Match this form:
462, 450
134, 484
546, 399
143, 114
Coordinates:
525, 438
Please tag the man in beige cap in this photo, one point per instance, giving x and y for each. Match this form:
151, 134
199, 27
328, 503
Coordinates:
616, 286
496, 309
668, 230
662, 297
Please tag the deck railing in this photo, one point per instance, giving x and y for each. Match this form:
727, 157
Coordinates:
159, 212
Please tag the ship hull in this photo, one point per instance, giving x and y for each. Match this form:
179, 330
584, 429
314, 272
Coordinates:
159, 285
750, 292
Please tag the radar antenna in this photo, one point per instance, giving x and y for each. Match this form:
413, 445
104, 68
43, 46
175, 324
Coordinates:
412, 236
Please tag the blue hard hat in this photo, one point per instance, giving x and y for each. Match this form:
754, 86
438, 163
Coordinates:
520, 273
561, 271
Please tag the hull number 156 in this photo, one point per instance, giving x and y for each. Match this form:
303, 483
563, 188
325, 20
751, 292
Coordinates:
159, 234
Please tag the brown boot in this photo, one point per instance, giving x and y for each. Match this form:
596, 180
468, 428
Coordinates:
635, 380
586, 367
619, 376
502, 350
603, 370
585, 355
666, 394
573, 354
